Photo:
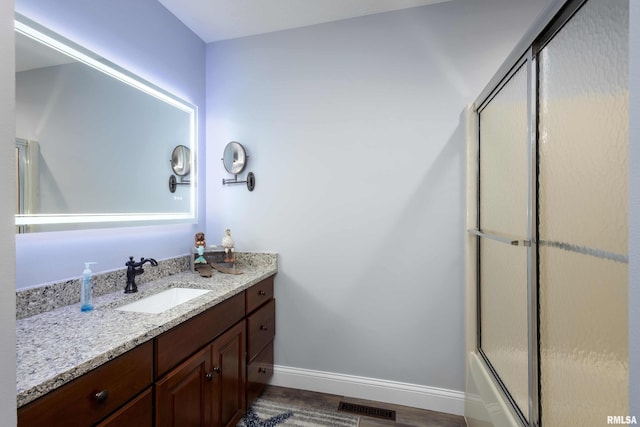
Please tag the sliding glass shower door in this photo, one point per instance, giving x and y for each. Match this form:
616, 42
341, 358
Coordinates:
552, 221
503, 219
582, 193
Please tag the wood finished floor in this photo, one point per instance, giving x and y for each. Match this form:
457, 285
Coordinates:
405, 416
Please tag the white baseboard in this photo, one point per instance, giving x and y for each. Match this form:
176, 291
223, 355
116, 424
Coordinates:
417, 396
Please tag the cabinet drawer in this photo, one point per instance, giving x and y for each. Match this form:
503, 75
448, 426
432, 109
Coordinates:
259, 293
261, 328
177, 344
138, 412
259, 372
77, 403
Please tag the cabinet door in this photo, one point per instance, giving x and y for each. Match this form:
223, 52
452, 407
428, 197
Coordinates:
183, 396
229, 367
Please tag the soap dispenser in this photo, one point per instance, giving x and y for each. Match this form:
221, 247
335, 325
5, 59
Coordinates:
86, 288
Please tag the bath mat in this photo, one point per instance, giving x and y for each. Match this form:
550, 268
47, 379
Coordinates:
264, 413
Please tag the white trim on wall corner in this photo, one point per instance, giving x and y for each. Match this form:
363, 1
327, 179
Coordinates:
417, 396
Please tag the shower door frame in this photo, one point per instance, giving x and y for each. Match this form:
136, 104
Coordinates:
528, 61
524, 55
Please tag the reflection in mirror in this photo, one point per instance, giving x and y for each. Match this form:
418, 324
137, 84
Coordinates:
103, 138
27, 154
181, 160
234, 157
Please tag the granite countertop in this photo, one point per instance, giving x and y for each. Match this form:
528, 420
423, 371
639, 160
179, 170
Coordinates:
60, 345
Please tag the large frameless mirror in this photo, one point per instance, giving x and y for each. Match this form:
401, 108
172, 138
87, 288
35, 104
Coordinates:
92, 140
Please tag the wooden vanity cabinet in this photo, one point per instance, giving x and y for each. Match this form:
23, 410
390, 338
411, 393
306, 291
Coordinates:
178, 343
208, 389
95, 395
203, 372
261, 330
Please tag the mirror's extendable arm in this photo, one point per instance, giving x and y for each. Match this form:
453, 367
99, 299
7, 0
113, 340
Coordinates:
250, 181
173, 183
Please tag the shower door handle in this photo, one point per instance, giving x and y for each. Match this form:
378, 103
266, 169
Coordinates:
513, 241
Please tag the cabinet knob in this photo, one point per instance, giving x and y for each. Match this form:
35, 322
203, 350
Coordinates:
209, 375
264, 328
262, 370
262, 293
101, 396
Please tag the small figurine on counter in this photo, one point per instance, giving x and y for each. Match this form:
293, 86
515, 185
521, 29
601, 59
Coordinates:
200, 245
228, 245
200, 264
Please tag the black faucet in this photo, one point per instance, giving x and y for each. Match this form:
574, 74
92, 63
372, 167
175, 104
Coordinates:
134, 269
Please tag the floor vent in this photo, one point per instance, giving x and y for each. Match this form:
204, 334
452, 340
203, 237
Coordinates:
368, 411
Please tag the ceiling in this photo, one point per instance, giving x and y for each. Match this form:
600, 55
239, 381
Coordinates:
215, 20
31, 54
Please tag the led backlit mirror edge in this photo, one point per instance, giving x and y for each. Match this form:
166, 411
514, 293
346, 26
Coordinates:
43, 35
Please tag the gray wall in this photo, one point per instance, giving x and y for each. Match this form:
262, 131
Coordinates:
634, 209
354, 134
7, 228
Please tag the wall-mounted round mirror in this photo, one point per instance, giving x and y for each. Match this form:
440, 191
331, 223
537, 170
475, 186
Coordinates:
234, 157
181, 160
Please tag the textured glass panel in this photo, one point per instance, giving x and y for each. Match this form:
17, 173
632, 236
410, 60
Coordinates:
583, 339
583, 202
583, 129
503, 298
503, 160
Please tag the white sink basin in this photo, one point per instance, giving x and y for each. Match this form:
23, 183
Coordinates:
163, 301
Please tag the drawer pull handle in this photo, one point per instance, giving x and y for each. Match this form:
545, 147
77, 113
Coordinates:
262, 293
264, 328
101, 396
262, 370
